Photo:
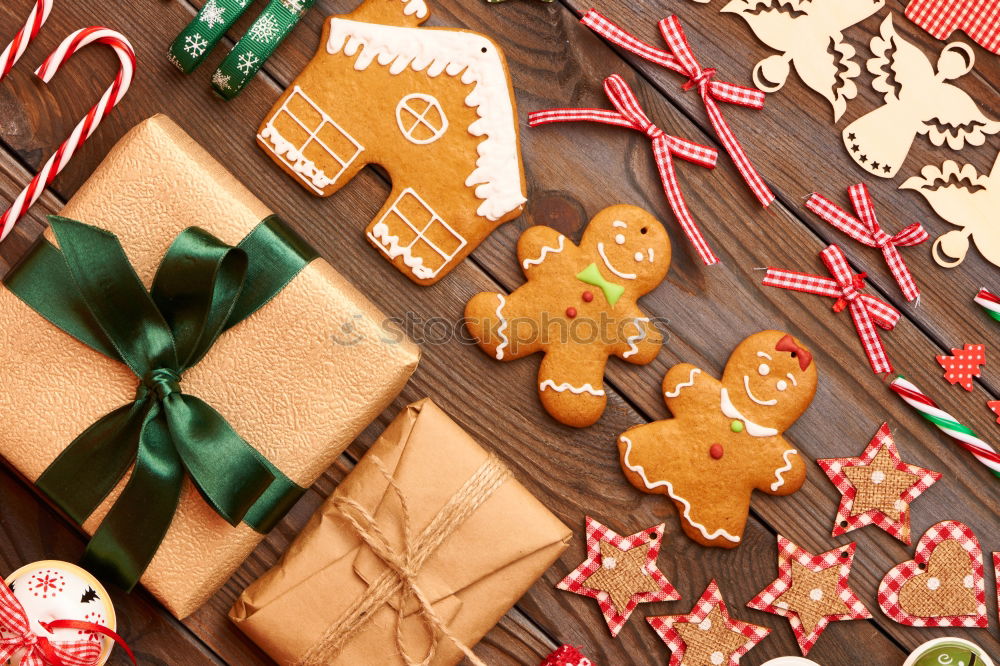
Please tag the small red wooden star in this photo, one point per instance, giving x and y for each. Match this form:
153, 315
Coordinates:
707, 635
620, 572
963, 366
811, 591
994, 405
877, 487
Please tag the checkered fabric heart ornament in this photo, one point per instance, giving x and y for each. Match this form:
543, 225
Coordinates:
942, 586
996, 575
811, 591
877, 487
963, 366
620, 572
707, 635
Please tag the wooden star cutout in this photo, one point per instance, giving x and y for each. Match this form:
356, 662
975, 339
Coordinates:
811, 591
620, 572
994, 406
707, 636
877, 487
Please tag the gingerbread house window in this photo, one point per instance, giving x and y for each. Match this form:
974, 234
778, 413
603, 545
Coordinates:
316, 138
411, 228
421, 118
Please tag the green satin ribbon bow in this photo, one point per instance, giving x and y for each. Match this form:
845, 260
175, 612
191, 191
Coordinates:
203, 287
591, 275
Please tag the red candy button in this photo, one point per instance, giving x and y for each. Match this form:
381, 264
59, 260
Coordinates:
715, 451
570, 312
588, 296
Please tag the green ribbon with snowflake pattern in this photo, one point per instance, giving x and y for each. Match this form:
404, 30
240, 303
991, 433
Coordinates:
215, 19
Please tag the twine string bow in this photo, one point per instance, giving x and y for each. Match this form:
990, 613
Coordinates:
404, 563
44, 651
865, 229
680, 58
867, 312
630, 114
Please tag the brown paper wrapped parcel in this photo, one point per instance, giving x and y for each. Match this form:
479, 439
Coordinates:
477, 540
282, 378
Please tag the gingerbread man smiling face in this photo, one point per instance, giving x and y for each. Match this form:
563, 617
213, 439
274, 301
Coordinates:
725, 438
578, 307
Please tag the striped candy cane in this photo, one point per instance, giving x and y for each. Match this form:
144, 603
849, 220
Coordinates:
947, 424
36, 19
85, 128
990, 303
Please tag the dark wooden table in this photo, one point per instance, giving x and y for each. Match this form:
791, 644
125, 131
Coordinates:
572, 172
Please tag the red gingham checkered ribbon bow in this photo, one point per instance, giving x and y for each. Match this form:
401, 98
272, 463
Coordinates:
631, 115
681, 59
865, 229
866, 311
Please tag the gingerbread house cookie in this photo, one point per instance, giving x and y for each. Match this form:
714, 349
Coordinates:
433, 106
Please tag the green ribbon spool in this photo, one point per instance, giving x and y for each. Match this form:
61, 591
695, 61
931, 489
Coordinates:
202, 288
214, 20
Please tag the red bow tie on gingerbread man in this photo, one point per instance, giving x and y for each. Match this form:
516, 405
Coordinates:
866, 230
866, 310
16, 636
631, 115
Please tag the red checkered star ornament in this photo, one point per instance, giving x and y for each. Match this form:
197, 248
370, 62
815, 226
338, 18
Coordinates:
963, 366
707, 636
877, 487
620, 572
811, 591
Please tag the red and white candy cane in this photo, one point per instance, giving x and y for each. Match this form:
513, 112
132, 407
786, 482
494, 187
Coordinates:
86, 127
629, 114
947, 423
36, 19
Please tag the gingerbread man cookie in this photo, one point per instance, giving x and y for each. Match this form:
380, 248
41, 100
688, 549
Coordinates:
725, 439
578, 307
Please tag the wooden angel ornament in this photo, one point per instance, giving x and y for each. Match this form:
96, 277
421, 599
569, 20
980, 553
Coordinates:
966, 199
918, 100
808, 34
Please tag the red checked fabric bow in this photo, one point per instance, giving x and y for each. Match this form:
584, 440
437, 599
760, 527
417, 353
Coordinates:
866, 230
681, 59
42, 651
631, 115
866, 311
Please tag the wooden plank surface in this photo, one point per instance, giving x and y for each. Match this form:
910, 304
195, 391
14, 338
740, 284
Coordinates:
574, 171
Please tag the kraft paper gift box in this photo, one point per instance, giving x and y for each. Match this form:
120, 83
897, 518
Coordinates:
321, 603
281, 378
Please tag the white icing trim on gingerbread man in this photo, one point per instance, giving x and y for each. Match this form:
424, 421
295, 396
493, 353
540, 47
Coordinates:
547, 249
566, 386
604, 258
473, 58
502, 328
752, 428
746, 387
641, 471
787, 467
677, 389
633, 339
418, 7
